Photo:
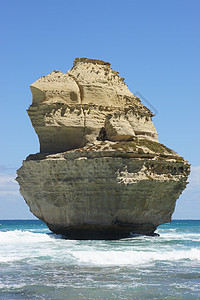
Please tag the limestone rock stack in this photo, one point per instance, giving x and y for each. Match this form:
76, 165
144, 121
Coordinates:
101, 172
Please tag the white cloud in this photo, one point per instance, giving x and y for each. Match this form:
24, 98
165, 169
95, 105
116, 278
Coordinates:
194, 178
8, 185
12, 205
188, 205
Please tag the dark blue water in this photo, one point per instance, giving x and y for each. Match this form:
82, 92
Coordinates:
35, 264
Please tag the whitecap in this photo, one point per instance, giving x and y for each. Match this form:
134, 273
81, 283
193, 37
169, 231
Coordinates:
19, 236
173, 235
7, 259
130, 258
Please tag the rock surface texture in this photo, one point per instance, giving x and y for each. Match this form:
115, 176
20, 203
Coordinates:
101, 172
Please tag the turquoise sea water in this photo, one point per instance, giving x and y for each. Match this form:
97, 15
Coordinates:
36, 264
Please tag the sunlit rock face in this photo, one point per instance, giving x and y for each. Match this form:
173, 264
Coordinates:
68, 110
101, 172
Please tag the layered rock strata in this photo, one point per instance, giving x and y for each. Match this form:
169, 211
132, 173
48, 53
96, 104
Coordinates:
101, 172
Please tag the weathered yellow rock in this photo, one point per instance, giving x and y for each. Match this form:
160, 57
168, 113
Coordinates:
118, 128
69, 110
101, 172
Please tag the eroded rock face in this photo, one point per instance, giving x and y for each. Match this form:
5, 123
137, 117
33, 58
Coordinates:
101, 172
68, 110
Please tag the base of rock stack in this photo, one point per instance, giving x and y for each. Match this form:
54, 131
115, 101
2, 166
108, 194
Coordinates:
103, 232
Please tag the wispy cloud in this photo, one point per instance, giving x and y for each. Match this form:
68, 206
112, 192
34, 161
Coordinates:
194, 178
188, 205
8, 185
12, 205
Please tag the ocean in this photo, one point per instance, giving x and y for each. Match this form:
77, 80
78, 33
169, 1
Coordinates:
36, 264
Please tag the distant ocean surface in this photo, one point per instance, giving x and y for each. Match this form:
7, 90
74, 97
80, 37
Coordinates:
36, 264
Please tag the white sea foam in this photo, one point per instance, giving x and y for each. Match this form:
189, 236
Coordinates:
14, 286
19, 245
6, 259
19, 236
180, 236
129, 258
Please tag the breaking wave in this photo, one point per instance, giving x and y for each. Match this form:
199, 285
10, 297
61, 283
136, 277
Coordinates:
37, 247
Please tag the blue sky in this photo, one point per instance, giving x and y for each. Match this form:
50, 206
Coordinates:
154, 44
